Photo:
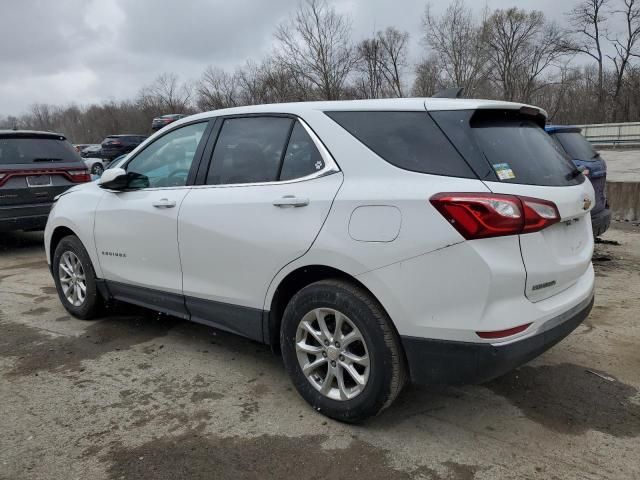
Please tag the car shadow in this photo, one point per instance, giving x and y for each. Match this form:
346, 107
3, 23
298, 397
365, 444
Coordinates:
20, 241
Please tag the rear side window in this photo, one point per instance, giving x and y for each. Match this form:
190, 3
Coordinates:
36, 150
576, 146
302, 158
249, 150
408, 140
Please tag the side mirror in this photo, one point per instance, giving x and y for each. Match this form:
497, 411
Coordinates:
114, 179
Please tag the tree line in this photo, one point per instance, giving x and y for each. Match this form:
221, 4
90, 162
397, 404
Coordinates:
581, 70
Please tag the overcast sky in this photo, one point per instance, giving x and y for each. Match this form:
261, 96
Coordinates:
82, 51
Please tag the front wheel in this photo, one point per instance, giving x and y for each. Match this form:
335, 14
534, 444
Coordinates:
75, 279
341, 351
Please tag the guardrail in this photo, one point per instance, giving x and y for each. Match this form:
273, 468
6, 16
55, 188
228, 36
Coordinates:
612, 134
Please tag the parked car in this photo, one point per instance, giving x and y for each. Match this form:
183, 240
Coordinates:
94, 150
34, 168
164, 120
445, 241
115, 145
95, 165
581, 152
81, 146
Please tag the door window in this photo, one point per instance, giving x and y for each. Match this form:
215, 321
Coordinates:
167, 161
302, 158
249, 150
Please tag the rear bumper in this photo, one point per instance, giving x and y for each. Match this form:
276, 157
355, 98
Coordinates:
600, 221
24, 217
451, 362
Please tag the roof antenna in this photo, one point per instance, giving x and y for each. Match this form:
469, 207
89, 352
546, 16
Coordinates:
455, 92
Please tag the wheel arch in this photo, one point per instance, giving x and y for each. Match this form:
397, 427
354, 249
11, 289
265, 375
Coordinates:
295, 281
58, 234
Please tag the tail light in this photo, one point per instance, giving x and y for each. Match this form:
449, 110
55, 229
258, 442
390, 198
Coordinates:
484, 215
79, 176
76, 176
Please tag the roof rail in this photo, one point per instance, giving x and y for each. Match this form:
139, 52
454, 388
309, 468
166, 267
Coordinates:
455, 92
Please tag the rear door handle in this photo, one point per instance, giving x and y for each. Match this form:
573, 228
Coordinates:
164, 203
291, 201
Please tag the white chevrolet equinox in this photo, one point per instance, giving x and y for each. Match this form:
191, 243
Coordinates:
371, 242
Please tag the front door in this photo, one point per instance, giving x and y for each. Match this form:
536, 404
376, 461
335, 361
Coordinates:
136, 230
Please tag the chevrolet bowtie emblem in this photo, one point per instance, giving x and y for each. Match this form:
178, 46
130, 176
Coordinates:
586, 203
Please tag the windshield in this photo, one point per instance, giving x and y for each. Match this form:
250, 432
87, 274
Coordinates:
576, 146
36, 150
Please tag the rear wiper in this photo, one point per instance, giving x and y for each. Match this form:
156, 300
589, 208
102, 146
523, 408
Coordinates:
595, 155
574, 173
48, 160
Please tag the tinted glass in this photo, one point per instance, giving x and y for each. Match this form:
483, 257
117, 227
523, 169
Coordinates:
508, 146
167, 161
302, 158
36, 150
409, 140
576, 146
522, 152
249, 150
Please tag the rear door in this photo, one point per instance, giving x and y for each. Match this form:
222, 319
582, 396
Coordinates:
520, 159
266, 195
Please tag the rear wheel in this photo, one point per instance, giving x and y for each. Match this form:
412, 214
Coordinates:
340, 350
75, 279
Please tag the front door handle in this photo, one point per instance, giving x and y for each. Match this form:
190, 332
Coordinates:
164, 203
291, 201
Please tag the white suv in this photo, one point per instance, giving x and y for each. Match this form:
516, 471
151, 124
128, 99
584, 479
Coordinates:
447, 241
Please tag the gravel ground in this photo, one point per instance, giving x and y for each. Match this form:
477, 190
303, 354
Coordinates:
138, 395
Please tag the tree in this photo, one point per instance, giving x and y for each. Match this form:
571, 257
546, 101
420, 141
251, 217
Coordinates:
457, 41
371, 81
521, 47
315, 46
589, 23
626, 48
166, 95
393, 44
427, 81
216, 89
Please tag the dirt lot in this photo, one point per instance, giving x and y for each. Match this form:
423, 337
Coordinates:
138, 395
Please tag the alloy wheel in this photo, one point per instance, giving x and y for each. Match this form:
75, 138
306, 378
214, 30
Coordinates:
332, 354
72, 279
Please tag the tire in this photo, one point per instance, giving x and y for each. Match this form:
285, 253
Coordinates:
90, 305
338, 301
97, 169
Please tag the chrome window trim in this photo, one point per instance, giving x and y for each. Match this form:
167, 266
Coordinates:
330, 165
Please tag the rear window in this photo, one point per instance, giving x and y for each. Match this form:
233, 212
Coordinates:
514, 148
36, 150
408, 140
576, 146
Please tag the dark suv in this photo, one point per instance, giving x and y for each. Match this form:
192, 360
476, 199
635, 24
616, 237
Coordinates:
34, 168
115, 145
579, 150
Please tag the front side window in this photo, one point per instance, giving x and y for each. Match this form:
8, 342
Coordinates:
167, 161
249, 150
